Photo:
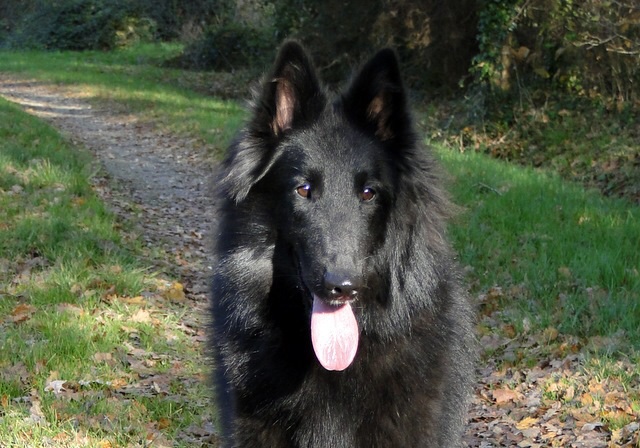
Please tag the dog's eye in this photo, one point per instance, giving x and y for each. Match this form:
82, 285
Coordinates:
304, 191
367, 194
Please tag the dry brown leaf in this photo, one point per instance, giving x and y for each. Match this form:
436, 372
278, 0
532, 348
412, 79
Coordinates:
509, 330
141, 316
78, 201
119, 383
587, 399
163, 423
582, 417
597, 388
137, 300
69, 308
526, 423
35, 411
503, 396
591, 426
569, 393
532, 434
22, 313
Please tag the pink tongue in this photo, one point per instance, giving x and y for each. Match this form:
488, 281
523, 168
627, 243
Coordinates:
334, 334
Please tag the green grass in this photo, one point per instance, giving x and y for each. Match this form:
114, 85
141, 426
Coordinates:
133, 80
68, 269
562, 256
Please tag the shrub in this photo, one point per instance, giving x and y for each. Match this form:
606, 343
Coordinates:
229, 47
587, 47
81, 25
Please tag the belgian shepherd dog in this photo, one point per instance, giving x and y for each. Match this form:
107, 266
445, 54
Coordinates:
339, 319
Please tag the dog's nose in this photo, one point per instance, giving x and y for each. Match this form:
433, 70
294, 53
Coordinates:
340, 286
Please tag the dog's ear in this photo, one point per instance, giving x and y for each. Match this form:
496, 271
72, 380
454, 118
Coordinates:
291, 96
376, 99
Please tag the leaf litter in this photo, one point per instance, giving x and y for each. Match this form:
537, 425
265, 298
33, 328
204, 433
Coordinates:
533, 390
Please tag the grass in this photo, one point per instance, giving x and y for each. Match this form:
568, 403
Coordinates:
560, 256
133, 80
80, 302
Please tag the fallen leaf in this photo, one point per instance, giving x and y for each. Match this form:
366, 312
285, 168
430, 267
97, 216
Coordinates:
586, 399
137, 300
69, 308
526, 423
531, 434
503, 396
141, 316
163, 423
55, 386
22, 313
591, 426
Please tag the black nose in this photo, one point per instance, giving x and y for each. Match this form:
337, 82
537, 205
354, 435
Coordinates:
340, 286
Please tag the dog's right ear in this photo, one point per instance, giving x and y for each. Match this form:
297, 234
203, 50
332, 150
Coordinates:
291, 96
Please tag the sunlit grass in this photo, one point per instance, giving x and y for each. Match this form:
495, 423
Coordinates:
133, 80
563, 257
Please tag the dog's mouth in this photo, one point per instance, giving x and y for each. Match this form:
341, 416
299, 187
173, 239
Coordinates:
334, 334
334, 329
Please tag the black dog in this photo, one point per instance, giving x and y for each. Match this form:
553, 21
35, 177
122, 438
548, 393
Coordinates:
338, 317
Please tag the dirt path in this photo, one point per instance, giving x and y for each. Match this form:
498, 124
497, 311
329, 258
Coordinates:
161, 181
157, 176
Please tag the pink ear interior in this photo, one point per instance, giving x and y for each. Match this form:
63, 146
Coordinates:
285, 105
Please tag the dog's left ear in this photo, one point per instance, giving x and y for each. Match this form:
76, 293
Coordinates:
376, 99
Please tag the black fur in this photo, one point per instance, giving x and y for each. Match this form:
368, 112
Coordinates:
372, 223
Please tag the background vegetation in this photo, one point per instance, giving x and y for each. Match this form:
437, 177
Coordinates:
531, 81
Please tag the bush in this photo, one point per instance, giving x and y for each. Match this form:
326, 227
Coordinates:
81, 25
586, 47
228, 48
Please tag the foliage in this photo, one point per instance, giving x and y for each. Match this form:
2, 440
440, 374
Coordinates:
589, 48
337, 33
340, 34
179, 20
496, 20
32, 23
436, 40
228, 48
81, 25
